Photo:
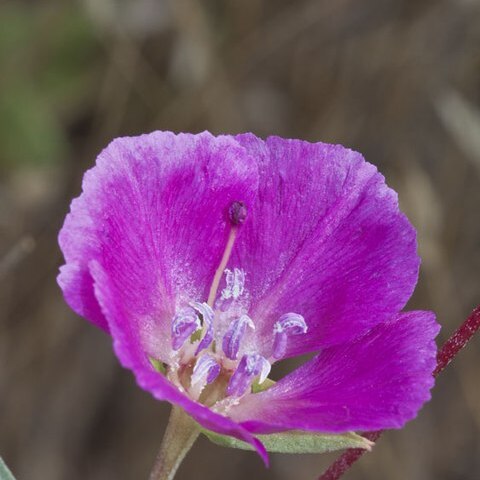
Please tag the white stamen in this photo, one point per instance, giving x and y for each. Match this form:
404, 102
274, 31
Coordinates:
235, 283
206, 370
264, 372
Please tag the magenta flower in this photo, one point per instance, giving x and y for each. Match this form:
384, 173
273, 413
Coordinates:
208, 259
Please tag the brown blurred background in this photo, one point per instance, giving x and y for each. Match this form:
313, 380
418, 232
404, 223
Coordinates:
397, 80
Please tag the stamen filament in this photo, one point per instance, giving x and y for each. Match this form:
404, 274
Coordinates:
221, 267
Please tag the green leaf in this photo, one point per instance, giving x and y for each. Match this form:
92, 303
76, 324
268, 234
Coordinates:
5, 473
295, 441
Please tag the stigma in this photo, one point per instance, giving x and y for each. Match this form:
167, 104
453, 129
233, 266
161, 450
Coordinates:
237, 213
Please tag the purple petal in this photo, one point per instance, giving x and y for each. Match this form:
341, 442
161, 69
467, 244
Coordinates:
155, 213
128, 347
378, 381
77, 286
325, 239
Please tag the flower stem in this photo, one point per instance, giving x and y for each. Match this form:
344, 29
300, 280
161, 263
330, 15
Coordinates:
180, 435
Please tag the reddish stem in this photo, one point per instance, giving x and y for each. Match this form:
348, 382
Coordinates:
457, 341
445, 355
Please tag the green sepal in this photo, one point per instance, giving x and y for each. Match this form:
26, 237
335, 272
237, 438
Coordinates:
158, 365
260, 387
295, 441
195, 336
5, 473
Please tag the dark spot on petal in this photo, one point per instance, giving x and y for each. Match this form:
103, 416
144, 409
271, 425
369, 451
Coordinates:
237, 213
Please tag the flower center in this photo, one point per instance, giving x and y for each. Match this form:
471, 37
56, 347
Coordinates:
216, 339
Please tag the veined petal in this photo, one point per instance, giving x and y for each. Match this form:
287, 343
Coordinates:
325, 239
378, 381
154, 212
128, 347
77, 286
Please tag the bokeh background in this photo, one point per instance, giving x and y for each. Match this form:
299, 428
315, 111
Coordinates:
397, 80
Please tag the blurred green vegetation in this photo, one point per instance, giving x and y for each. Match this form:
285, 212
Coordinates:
48, 69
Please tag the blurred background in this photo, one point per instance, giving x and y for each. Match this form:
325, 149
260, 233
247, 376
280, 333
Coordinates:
397, 80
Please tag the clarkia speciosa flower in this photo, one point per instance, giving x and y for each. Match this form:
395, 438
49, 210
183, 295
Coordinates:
208, 259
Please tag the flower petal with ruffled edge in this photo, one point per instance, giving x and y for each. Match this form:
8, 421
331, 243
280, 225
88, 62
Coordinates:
153, 212
377, 381
325, 239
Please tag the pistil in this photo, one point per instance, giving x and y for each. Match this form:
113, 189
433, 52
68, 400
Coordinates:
230, 359
223, 264
237, 213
